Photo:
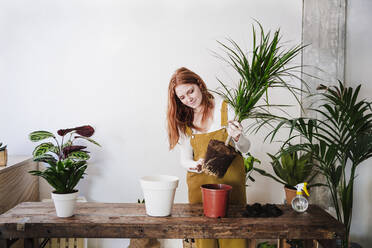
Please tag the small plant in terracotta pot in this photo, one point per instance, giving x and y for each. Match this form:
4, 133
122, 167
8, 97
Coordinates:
291, 168
3, 155
66, 161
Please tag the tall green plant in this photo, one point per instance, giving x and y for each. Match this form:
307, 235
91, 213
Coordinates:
265, 67
340, 140
67, 162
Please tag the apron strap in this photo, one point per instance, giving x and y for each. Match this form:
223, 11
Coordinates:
224, 114
188, 131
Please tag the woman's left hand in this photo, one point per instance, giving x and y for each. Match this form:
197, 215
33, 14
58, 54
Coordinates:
234, 129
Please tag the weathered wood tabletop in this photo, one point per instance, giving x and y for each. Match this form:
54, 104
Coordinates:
125, 220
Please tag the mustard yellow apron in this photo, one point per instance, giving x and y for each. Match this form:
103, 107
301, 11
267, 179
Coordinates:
235, 176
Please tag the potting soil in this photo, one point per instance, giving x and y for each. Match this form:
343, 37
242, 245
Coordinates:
258, 210
218, 158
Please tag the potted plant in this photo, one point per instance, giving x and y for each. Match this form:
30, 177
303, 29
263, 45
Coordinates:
263, 68
291, 168
66, 161
3, 155
339, 140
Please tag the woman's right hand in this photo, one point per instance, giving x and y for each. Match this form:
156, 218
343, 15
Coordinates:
198, 168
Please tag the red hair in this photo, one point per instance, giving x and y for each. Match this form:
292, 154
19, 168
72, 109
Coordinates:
180, 116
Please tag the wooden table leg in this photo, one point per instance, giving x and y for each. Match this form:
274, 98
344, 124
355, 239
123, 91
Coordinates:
327, 243
3, 243
251, 243
29, 243
308, 243
280, 243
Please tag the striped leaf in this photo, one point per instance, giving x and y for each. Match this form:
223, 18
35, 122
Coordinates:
40, 135
46, 158
42, 149
80, 155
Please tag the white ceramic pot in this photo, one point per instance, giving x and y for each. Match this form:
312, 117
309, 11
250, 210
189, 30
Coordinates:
65, 203
159, 194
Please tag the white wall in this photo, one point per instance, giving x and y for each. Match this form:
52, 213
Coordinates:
108, 64
358, 71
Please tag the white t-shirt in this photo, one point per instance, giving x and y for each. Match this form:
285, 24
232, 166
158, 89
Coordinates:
187, 158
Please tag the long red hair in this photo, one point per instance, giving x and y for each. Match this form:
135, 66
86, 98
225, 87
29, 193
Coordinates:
180, 116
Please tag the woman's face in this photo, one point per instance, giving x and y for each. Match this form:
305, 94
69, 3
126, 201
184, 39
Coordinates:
189, 94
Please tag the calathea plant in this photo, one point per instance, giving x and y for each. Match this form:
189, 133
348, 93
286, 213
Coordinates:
67, 161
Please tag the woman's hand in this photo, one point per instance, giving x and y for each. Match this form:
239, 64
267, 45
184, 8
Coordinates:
198, 168
234, 129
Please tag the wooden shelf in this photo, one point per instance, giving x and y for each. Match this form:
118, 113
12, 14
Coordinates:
16, 184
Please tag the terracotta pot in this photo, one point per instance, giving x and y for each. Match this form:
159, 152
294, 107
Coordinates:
289, 195
3, 157
215, 199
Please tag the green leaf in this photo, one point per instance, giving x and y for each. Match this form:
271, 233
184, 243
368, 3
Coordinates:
42, 149
80, 155
264, 69
40, 135
46, 158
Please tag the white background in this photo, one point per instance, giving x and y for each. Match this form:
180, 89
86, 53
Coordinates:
108, 64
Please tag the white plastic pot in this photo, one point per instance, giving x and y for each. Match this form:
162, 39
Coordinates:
159, 194
65, 203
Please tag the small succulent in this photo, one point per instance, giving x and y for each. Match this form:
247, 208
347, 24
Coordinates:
2, 148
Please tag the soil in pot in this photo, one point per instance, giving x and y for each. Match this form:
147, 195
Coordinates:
218, 158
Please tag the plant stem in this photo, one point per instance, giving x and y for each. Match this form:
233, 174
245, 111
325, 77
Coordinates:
59, 148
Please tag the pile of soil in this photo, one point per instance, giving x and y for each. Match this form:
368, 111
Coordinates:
264, 211
218, 158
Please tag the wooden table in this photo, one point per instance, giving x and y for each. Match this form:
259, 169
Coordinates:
31, 220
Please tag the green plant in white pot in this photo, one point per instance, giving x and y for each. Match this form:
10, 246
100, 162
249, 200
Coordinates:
66, 161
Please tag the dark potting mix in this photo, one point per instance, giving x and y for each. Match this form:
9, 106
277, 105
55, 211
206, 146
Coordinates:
264, 211
218, 158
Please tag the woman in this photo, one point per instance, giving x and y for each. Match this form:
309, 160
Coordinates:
195, 117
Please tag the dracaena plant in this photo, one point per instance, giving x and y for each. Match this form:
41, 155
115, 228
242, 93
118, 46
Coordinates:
263, 68
339, 140
67, 161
